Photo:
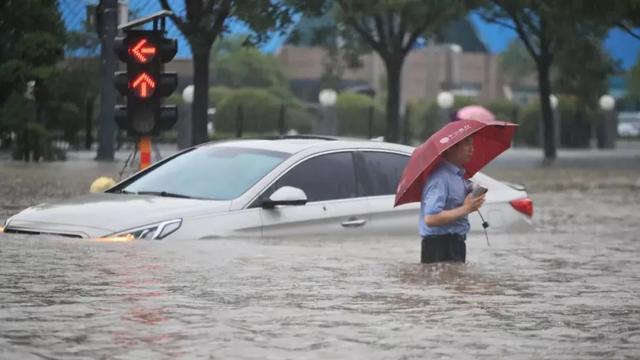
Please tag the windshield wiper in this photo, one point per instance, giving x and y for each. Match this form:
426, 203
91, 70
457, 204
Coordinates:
122, 191
164, 193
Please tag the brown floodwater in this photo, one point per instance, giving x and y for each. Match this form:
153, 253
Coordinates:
568, 290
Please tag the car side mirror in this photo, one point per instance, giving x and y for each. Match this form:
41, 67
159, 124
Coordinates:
286, 195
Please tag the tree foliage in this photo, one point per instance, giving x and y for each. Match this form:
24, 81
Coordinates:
203, 21
545, 27
516, 63
586, 80
238, 65
391, 28
31, 43
260, 111
634, 81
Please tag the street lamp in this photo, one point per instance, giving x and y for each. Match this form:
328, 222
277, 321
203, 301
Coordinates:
608, 126
553, 100
328, 123
187, 94
327, 97
607, 102
445, 102
184, 122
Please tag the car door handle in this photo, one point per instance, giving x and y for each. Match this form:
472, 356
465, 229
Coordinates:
354, 222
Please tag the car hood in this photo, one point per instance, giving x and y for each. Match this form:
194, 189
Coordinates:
101, 214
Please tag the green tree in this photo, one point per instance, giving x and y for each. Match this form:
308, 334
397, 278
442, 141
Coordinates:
544, 27
586, 80
623, 14
74, 91
391, 29
202, 21
31, 43
516, 63
633, 87
236, 65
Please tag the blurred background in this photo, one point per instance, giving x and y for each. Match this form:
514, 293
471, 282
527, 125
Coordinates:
266, 72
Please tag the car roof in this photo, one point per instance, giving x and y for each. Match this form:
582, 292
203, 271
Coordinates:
293, 145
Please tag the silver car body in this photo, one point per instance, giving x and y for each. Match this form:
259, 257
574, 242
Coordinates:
105, 214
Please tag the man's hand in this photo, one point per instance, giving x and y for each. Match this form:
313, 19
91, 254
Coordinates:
472, 204
445, 217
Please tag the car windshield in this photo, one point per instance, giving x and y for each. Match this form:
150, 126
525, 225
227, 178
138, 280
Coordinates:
216, 173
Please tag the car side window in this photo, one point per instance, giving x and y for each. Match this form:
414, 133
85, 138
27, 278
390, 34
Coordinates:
324, 177
381, 172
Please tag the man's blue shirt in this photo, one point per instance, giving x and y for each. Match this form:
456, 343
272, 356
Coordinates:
445, 189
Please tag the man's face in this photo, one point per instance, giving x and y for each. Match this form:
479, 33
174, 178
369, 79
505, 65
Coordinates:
461, 152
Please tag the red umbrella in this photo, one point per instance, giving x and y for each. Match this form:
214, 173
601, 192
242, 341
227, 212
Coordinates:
490, 139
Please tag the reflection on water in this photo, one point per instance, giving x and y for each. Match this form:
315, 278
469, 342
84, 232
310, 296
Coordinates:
567, 291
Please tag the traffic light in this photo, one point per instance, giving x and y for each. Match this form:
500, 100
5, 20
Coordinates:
145, 84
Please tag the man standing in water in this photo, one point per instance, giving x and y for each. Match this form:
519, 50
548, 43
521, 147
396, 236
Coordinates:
445, 206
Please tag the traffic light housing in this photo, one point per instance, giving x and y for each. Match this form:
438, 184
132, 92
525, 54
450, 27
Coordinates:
145, 83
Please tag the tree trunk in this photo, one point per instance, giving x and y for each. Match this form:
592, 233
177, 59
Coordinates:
544, 90
394, 82
200, 96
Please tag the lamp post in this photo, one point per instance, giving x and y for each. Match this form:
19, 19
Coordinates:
184, 122
556, 120
445, 102
607, 127
327, 124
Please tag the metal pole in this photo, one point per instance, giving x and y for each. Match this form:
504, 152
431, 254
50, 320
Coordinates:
144, 144
109, 17
406, 132
370, 122
239, 116
281, 119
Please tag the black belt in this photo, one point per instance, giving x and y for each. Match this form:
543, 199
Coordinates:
446, 237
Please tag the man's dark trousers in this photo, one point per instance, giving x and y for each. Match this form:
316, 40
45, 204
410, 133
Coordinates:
448, 247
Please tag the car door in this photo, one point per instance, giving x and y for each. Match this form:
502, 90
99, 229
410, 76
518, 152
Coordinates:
379, 173
333, 207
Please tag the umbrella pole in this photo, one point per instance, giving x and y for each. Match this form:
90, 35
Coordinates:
485, 225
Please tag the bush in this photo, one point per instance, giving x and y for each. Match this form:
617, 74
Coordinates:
423, 120
575, 124
34, 143
354, 111
260, 112
67, 117
529, 131
504, 110
217, 94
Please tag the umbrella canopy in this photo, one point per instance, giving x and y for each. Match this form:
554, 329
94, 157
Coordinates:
490, 139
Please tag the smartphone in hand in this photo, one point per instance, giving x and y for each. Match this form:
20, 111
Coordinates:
478, 191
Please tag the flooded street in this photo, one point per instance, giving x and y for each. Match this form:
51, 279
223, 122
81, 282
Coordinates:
568, 290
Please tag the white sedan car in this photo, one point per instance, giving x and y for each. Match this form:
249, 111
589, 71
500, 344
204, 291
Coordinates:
269, 188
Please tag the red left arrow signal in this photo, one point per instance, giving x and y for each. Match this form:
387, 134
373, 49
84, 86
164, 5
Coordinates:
143, 51
143, 85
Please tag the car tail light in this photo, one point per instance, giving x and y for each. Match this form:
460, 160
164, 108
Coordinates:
524, 205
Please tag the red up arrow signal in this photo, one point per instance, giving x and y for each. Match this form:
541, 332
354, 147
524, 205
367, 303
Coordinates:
143, 85
142, 51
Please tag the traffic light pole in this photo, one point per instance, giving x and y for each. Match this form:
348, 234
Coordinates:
144, 144
109, 20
